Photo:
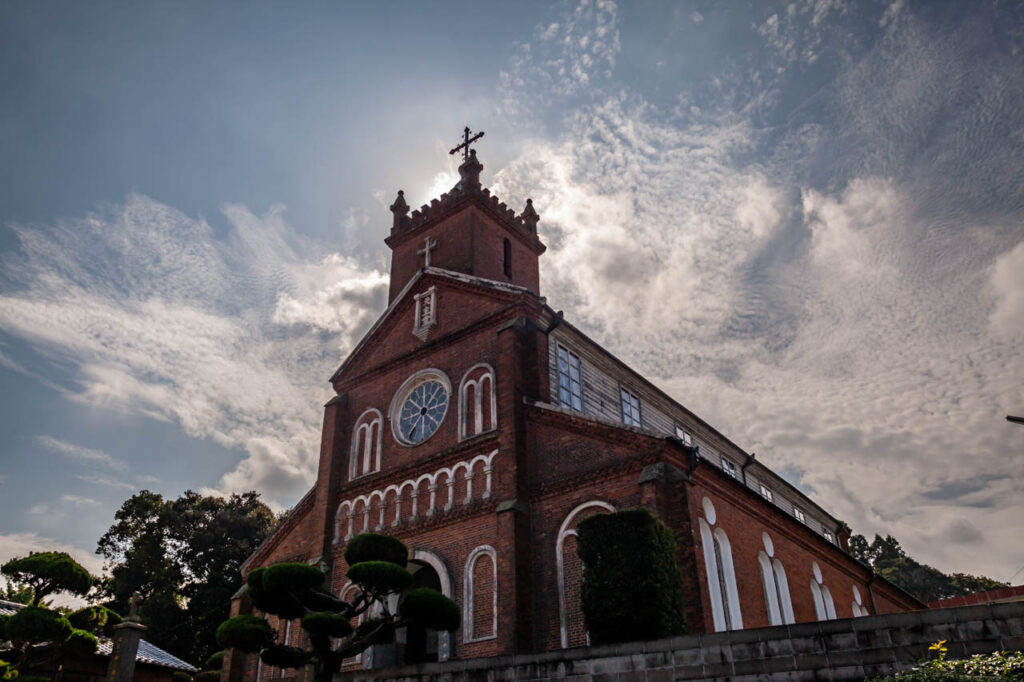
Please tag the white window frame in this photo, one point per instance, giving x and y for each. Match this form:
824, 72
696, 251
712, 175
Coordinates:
767, 493
565, 379
827, 534
719, 571
800, 515
684, 435
468, 594
426, 312
630, 405
366, 459
728, 467
467, 428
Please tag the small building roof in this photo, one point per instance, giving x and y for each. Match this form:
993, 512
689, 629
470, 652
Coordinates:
148, 653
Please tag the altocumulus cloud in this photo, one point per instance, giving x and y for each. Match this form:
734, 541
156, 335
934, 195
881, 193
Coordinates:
828, 291
231, 338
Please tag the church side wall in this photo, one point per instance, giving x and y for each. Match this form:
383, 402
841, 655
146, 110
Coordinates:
745, 517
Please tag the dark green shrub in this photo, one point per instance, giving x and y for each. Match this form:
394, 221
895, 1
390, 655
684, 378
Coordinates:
180, 676
373, 547
3, 626
248, 633
431, 609
35, 624
326, 624
632, 588
380, 577
80, 643
94, 619
285, 656
278, 589
208, 676
215, 661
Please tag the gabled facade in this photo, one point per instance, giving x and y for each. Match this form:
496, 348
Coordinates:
479, 427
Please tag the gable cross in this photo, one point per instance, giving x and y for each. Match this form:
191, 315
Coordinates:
428, 244
466, 141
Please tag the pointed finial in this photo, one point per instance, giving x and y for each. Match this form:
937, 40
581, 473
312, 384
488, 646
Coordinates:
399, 210
530, 216
469, 172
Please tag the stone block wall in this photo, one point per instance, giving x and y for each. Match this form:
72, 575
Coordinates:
847, 649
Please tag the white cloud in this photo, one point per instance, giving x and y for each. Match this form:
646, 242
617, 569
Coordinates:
829, 317
78, 501
80, 453
232, 339
1006, 281
105, 481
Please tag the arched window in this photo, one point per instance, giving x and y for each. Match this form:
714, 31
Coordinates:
480, 595
824, 607
366, 437
569, 574
776, 587
508, 258
478, 408
858, 604
718, 567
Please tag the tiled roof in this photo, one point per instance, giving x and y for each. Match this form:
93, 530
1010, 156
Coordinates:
148, 653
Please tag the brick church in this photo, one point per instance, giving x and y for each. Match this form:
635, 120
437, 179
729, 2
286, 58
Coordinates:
478, 426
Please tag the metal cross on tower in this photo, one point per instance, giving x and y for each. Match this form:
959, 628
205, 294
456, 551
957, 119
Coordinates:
466, 141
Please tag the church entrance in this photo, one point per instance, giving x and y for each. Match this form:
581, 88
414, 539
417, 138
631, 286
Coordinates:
421, 643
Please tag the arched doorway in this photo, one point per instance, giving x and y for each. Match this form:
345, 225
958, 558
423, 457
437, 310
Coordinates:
421, 644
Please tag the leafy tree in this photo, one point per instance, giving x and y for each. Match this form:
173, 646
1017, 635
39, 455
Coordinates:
184, 556
377, 566
19, 594
632, 588
38, 636
925, 582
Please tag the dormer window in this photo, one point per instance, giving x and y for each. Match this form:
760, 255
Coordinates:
570, 389
426, 313
828, 536
799, 514
682, 435
630, 408
728, 467
766, 493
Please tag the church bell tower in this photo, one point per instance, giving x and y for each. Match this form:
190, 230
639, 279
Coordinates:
466, 230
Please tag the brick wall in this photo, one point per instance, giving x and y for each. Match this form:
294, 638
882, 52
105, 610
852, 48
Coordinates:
848, 649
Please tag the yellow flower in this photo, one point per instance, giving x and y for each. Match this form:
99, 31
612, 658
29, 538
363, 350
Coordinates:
938, 646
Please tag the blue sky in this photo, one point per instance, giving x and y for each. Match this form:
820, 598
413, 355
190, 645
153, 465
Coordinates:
804, 220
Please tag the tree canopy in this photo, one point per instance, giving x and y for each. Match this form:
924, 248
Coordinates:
184, 556
925, 582
37, 636
292, 591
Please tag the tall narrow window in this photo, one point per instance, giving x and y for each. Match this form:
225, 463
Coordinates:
364, 457
630, 408
824, 607
776, 587
508, 258
477, 403
426, 313
480, 598
570, 390
718, 567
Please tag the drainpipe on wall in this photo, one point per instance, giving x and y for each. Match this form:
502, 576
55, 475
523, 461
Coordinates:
871, 591
743, 467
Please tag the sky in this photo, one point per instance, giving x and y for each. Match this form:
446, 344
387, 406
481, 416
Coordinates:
803, 220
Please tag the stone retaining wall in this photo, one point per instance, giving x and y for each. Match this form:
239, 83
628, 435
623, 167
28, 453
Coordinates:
848, 649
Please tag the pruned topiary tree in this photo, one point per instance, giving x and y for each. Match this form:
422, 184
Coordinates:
632, 587
377, 566
39, 637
